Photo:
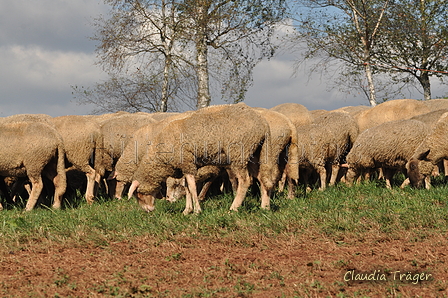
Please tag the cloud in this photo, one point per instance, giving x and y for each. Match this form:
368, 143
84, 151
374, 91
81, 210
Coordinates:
35, 80
61, 25
274, 83
45, 49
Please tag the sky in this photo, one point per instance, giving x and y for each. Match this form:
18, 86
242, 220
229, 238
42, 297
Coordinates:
45, 48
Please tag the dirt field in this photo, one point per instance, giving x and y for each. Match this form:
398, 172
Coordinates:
300, 266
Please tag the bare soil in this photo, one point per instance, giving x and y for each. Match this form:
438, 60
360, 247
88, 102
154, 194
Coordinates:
188, 266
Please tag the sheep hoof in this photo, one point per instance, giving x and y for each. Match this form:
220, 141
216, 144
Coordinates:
187, 211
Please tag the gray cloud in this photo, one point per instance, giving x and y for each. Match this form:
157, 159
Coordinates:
45, 49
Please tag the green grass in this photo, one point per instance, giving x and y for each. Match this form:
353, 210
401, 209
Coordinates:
366, 207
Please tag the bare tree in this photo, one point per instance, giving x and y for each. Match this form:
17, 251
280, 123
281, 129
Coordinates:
344, 31
175, 39
415, 43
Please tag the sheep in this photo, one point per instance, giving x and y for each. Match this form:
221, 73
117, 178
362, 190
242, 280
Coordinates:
297, 113
389, 145
23, 182
344, 130
32, 149
326, 142
41, 118
117, 132
431, 119
175, 187
83, 147
279, 154
135, 150
228, 136
389, 111
436, 104
432, 150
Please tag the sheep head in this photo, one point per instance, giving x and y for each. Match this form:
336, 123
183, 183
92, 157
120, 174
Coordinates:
414, 175
413, 169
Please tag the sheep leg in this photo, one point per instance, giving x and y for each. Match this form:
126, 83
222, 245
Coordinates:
191, 183
405, 183
265, 197
244, 182
90, 191
428, 182
132, 188
60, 185
205, 189
291, 188
334, 173
188, 202
388, 174
37, 186
282, 182
323, 177
445, 168
233, 180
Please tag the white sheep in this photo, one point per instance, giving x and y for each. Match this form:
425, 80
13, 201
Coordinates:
390, 110
229, 136
388, 146
83, 145
32, 149
432, 150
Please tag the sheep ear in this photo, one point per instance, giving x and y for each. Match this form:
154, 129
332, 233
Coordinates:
423, 155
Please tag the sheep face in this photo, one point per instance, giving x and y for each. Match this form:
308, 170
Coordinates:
175, 189
414, 175
351, 175
146, 201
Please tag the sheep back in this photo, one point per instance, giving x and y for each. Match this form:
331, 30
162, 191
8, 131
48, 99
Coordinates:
227, 136
297, 113
392, 110
389, 145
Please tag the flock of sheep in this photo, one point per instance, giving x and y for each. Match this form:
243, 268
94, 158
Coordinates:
162, 154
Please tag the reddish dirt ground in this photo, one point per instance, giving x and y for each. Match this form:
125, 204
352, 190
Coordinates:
300, 266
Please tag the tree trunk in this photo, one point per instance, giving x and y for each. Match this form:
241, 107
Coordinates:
426, 84
201, 60
166, 70
372, 95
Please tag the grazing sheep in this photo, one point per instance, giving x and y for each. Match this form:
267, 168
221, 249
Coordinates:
344, 130
431, 119
32, 149
391, 110
176, 187
389, 146
117, 132
297, 113
326, 143
279, 153
432, 150
228, 136
83, 147
135, 150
